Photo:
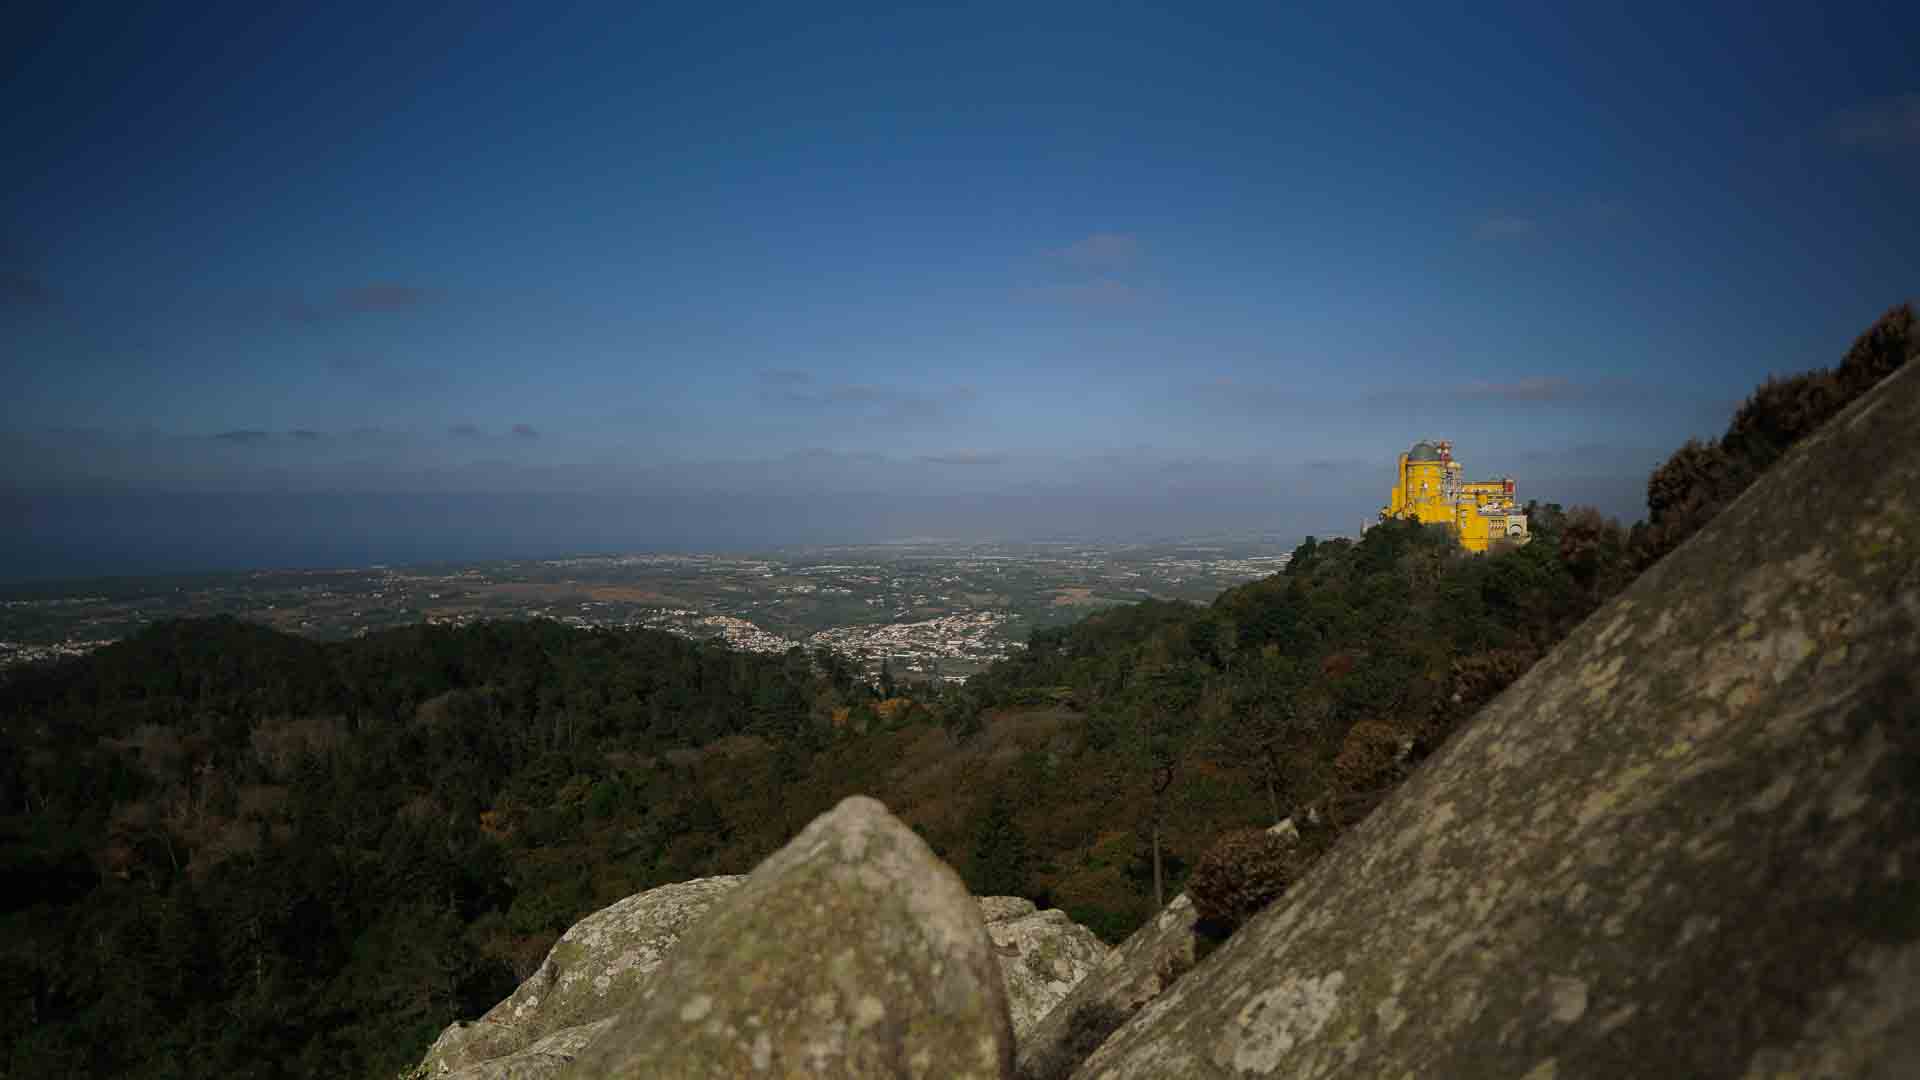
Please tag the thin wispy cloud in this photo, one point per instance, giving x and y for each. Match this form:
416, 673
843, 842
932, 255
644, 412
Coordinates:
1525, 389
1104, 251
244, 437
1243, 394
786, 377
525, 431
1329, 465
1528, 388
385, 378
465, 431
1506, 226
1097, 271
1887, 124
306, 435
963, 457
1586, 218
374, 298
1102, 292
1605, 212
864, 399
383, 296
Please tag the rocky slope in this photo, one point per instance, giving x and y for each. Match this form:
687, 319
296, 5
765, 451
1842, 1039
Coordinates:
603, 967
599, 968
1686, 843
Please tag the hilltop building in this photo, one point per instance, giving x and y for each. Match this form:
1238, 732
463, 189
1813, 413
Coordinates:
1427, 488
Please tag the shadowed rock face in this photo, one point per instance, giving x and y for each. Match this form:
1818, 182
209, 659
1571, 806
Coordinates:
853, 951
1686, 843
599, 967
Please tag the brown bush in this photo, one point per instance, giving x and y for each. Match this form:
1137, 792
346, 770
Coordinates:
1780, 413
1701, 479
1369, 755
1689, 478
1592, 548
1890, 342
1477, 678
1244, 871
279, 744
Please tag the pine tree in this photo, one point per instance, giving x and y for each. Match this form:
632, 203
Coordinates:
1001, 857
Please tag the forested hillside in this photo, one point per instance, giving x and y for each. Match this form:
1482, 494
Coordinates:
226, 850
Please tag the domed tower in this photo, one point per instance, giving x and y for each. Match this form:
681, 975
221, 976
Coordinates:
1423, 485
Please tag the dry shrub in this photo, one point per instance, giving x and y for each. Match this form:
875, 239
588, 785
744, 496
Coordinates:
1689, 479
261, 800
1701, 479
436, 709
1889, 343
1244, 871
1484, 674
223, 842
1781, 412
421, 809
160, 749
1369, 755
733, 747
1592, 547
280, 744
132, 817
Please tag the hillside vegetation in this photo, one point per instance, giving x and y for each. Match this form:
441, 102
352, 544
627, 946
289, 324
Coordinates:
227, 850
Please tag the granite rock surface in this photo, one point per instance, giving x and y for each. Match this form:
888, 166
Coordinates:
1686, 843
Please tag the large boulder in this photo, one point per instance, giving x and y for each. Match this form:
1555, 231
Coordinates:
600, 967
1043, 955
853, 951
1686, 843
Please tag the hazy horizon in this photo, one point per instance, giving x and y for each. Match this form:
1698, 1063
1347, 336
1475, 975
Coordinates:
316, 287
100, 534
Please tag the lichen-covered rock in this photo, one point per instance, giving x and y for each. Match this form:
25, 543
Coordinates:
1135, 973
548, 1057
552, 1016
853, 951
1001, 908
1043, 955
598, 967
1686, 843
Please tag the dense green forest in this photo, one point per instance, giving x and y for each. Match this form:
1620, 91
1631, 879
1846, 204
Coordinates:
227, 850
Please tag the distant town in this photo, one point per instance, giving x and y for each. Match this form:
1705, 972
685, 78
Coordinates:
925, 609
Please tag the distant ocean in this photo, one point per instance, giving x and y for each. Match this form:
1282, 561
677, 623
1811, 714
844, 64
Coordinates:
52, 536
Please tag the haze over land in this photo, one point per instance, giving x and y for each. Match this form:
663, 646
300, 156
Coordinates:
347, 287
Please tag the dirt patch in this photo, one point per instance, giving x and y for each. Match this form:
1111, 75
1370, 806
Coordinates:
527, 590
451, 612
631, 594
736, 746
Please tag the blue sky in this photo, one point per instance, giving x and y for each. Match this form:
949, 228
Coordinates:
999, 251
